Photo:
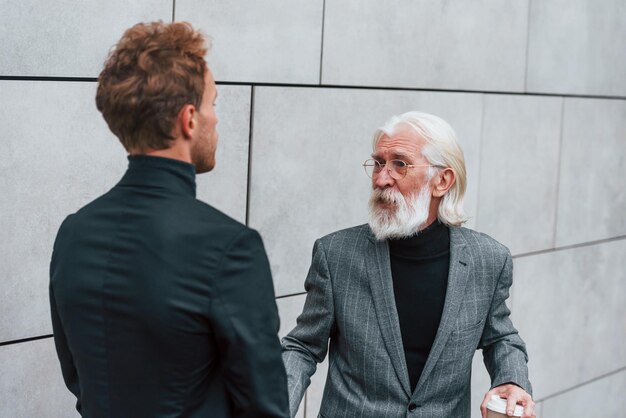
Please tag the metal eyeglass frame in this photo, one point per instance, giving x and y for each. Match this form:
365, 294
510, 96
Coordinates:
393, 172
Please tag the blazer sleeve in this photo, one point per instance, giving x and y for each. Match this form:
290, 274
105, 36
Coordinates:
504, 352
245, 319
68, 368
307, 344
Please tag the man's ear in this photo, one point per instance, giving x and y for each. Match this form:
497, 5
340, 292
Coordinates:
443, 181
186, 121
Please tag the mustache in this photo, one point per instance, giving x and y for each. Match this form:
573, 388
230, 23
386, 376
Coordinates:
386, 196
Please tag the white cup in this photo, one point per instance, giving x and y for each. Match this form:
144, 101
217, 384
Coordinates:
496, 408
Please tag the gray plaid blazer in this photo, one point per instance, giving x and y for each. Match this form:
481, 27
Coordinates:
350, 303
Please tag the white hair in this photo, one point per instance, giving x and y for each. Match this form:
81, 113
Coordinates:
410, 217
442, 151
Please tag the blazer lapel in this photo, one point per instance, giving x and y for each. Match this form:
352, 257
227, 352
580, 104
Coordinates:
381, 285
460, 263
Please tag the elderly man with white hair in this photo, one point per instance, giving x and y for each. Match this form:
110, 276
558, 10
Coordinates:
402, 303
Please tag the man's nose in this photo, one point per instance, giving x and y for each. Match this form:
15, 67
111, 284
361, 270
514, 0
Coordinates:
383, 179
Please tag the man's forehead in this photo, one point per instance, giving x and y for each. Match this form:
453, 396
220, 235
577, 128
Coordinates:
392, 152
405, 143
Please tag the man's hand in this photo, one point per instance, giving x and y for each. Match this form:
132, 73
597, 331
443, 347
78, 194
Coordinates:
514, 395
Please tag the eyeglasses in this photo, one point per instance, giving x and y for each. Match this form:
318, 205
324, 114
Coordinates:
397, 169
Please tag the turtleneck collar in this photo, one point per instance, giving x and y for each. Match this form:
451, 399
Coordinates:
432, 241
159, 172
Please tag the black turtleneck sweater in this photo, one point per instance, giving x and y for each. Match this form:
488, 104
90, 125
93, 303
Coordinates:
419, 268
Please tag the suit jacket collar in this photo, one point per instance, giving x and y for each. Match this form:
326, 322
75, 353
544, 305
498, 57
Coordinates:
379, 274
162, 173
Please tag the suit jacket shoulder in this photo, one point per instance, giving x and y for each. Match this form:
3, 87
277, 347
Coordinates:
188, 209
347, 234
479, 241
214, 215
482, 246
341, 246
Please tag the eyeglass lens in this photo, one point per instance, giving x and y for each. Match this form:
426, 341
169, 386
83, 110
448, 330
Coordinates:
397, 168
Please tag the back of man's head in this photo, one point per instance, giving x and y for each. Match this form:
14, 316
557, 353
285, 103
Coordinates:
153, 71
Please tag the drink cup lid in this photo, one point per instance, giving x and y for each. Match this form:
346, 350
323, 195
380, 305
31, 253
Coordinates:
498, 404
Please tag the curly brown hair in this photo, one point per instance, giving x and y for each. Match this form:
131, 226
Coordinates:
155, 69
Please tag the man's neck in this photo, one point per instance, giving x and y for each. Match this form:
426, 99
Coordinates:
178, 151
428, 222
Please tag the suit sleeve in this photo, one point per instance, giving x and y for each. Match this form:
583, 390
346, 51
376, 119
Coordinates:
504, 352
307, 344
68, 369
245, 319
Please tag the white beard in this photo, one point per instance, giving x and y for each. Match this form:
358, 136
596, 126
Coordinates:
408, 216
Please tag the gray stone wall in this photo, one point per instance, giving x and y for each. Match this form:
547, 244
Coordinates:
536, 90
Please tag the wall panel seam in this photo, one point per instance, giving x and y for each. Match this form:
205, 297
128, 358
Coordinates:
530, 2
322, 45
337, 86
25, 340
480, 156
250, 136
570, 247
290, 295
306, 400
585, 383
415, 89
558, 176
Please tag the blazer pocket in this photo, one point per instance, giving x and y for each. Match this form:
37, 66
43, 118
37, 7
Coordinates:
468, 331
462, 344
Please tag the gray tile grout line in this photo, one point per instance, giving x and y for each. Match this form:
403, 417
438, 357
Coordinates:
249, 175
47, 78
306, 401
595, 379
25, 340
570, 247
335, 86
480, 155
290, 295
530, 2
558, 174
322, 46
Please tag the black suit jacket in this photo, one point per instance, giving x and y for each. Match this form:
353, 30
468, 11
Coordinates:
162, 306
